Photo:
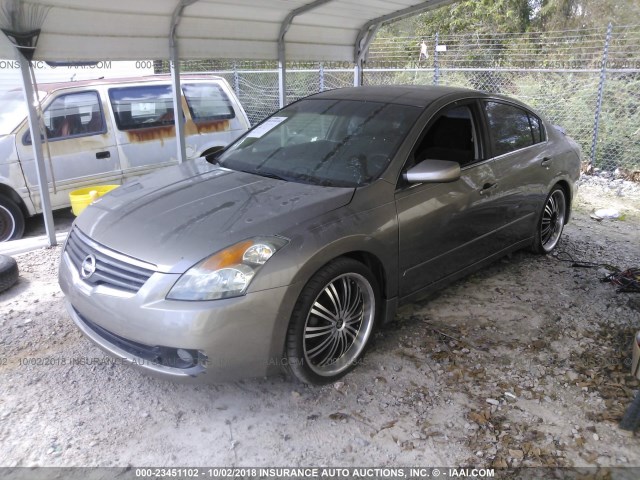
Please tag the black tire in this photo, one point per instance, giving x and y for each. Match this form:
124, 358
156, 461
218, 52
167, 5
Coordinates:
8, 272
551, 221
332, 322
11, 220
631, 419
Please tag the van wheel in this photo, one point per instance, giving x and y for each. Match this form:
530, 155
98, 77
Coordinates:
11, 220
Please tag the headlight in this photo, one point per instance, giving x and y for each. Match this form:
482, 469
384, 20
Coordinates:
227, 273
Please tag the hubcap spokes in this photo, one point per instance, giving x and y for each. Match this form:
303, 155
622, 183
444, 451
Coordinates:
552, 220
338, 324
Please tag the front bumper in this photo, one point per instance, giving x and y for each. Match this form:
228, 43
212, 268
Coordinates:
229, 338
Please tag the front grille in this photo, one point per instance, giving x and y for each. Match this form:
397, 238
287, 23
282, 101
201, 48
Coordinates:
111, 269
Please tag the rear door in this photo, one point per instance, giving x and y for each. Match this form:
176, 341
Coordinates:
521, 164
83, 150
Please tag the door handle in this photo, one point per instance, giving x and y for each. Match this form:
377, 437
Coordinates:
487, 187
546, 161
101, 155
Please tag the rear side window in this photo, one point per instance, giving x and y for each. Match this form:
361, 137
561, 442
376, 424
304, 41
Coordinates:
536, 129
142, 107
511, 128
207, 101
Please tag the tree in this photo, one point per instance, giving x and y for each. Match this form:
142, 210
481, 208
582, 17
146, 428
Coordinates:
577, 14
519, 16
478, 16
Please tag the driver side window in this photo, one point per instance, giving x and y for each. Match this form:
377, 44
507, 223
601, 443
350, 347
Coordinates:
75, 114
451, 136
72, 115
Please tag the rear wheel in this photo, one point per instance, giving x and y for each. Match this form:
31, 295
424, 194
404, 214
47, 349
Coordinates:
551, 222
332, 322
11, 220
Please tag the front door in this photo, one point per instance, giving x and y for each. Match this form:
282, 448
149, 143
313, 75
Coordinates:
83, 150
449, 226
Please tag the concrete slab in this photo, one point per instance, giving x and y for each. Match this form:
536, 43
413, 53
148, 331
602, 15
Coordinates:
24, 245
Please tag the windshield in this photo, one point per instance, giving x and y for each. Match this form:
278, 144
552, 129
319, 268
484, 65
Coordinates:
13, 110
342, 143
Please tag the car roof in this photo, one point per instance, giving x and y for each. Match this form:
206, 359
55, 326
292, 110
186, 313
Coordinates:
413, 95
51, 87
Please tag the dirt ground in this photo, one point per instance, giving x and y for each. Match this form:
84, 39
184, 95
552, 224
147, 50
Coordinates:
524, 363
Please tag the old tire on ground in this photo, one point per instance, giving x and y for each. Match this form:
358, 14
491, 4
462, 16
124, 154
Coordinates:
332, 322
551, 222
11, 220
631, 419
8, 272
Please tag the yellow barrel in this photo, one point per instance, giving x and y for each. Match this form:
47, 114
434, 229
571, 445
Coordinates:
82, 198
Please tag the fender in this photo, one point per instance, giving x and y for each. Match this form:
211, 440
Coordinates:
12, 181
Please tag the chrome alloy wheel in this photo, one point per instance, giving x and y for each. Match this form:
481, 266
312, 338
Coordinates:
338, 325
552, 221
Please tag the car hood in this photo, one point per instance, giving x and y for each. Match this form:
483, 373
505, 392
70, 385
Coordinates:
178, 216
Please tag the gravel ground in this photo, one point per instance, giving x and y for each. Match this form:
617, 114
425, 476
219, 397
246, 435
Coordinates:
522, 364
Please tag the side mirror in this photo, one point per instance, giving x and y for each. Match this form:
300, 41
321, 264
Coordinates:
433, 171
214, 153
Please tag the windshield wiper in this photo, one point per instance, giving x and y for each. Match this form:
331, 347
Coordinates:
268, 175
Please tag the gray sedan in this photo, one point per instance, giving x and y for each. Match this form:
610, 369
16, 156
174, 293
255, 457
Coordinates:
287, 249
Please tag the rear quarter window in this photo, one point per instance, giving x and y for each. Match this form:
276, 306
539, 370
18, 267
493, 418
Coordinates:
207, 101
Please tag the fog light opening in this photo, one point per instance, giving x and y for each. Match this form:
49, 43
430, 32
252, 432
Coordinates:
186, 357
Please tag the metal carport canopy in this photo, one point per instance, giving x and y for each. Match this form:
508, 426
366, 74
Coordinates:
85, 30
91, 30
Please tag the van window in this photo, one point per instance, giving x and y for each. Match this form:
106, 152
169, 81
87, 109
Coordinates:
207, 101
142, 107
72, 115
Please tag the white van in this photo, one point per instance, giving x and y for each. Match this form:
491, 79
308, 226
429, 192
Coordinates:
105, 132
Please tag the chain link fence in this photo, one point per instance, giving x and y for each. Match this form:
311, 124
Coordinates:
586, 81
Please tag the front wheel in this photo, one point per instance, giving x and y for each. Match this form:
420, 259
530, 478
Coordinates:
11, 220
332, 322
551, 222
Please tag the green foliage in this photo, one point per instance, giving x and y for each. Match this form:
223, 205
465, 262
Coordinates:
619, 132
519, 16
480, 16
575, 14
560, 37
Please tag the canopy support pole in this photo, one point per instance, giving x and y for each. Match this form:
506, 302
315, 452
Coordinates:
177, 105
174, 65
282, 58
36, 143
358, 75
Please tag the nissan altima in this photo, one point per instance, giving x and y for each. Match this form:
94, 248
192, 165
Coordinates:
289, 248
